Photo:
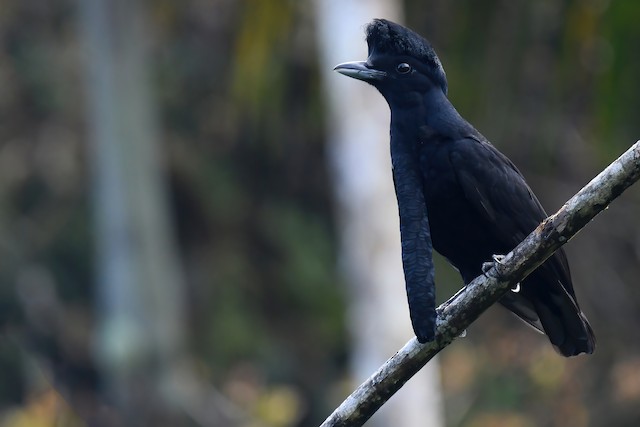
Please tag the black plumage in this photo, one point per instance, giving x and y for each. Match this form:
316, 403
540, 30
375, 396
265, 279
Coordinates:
458, 191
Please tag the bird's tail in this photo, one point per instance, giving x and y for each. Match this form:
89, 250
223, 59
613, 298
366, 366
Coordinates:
556, 314
564, 323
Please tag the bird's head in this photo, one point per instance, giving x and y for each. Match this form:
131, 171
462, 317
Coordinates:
400, 61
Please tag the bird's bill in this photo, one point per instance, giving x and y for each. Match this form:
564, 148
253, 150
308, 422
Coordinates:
359, 70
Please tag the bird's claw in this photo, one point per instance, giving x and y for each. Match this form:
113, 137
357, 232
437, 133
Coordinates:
498, 258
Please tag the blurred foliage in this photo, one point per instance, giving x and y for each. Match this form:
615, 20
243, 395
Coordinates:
42, 409
553, 84
243, 136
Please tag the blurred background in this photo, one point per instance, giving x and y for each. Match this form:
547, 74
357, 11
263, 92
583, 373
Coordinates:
182, 243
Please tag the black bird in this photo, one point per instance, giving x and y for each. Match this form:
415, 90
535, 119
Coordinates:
458, 191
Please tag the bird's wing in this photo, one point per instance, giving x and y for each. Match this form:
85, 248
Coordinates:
417, 248
497, 191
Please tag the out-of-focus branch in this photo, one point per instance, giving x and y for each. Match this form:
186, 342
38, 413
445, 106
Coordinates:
455, 315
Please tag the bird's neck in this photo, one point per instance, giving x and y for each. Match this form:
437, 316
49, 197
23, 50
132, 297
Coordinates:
426, 115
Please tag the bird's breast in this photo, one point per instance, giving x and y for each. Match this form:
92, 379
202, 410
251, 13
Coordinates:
457, 231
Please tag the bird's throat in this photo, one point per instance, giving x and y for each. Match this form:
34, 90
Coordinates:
433, 113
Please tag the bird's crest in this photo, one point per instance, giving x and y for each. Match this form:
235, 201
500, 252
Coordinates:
386, 37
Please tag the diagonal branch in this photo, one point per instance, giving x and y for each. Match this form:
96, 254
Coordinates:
455, 315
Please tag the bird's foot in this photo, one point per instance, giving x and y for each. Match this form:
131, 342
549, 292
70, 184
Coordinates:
486, 266
498, 259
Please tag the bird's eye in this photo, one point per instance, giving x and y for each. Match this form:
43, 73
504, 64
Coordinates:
403, 68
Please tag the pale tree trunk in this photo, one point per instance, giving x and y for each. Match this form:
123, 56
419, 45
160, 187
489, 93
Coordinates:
139, 299
368, 214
